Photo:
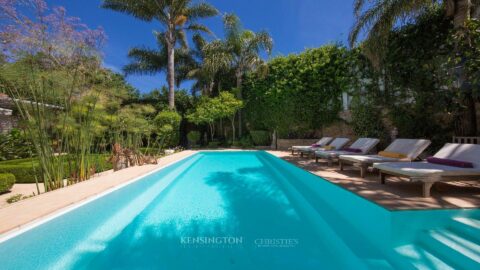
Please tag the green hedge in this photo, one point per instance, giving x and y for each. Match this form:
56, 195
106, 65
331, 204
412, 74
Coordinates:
26, 170
193, 138
260, 137
6, 182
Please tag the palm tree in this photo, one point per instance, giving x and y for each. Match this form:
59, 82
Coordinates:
176, 17
376, 18
148, 61
212, 58
244, 47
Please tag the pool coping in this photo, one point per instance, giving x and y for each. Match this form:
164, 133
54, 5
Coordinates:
24, 227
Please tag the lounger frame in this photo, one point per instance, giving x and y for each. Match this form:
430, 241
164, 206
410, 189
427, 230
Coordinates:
428, 180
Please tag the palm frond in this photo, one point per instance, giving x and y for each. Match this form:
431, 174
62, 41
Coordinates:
142, 9
195, 27
200, 10
232, 26
145, 61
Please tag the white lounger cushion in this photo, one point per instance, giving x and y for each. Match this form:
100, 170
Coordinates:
411, 148
419, 169
337, 143
462, 152
322, 142
367, 159
364, 144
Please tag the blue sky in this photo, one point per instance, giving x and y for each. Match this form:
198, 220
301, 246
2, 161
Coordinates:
294, 25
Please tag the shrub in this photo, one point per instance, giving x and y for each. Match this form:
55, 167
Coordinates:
213, 144
14, 198
14, 145
260, 137
244, 142
367, 120
167, 125
25, 170
193, 138
6, 182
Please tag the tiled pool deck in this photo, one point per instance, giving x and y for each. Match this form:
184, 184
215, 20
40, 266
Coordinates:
397, 194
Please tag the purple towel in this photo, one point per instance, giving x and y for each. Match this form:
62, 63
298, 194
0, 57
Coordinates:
450, 162
353, 150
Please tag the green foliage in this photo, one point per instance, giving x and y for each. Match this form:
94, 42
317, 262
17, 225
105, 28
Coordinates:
245, 142
209, 110
27, 170
227, 105
167, 125
213, 144
15, 145
367, 120
301, 92
193, 137
467, 41
6, 182
260, 137
14, 198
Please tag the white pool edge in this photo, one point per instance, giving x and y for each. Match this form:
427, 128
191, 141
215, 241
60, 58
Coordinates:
39, 221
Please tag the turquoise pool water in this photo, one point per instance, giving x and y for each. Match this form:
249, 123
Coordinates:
235, 210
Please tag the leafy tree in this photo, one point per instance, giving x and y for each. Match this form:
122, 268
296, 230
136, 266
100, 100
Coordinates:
55, 70
377, 18
228, 107
167, 124
206, 112
176, 18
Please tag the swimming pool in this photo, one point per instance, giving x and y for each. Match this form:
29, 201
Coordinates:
238, 210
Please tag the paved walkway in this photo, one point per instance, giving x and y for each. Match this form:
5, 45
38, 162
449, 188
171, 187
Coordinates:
29, 210
397, 194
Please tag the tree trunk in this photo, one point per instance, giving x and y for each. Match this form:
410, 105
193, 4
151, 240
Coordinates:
171, 69
461, 12
233, 128
210, 88
212, 131
238, 75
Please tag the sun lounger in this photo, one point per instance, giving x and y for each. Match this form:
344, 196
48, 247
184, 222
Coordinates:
336, 144
361, 146
429, 173
399, 150
322, 142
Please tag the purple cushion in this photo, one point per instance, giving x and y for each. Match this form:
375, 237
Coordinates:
316, 145
353, 150
450, 162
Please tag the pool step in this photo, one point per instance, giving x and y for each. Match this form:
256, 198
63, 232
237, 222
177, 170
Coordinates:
455, 249
468, 227
421, 258
326, 220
